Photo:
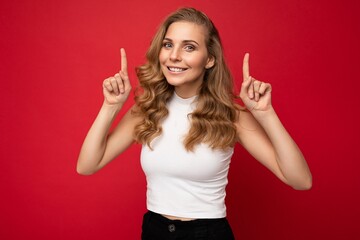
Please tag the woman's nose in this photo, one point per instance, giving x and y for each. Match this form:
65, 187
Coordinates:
175, 55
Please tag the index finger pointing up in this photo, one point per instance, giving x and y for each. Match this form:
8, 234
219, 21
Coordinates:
246, 73
123, 61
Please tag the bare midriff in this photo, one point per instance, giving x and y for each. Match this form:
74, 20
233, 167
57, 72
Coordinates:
177, 218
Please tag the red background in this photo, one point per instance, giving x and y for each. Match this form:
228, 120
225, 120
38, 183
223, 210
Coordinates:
55, 54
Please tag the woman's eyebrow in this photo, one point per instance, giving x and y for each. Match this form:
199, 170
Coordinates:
191, 41
184, 41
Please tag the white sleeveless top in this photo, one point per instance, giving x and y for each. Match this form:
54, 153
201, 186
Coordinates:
181, 183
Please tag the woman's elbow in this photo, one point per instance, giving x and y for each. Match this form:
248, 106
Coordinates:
304, 185
84, 171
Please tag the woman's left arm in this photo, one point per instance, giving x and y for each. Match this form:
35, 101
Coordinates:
265, 137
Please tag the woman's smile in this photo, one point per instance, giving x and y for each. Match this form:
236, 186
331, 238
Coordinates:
176, 69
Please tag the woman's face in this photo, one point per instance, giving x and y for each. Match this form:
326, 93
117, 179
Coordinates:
184, 57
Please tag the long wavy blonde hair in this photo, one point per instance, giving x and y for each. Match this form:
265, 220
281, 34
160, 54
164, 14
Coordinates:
212, 122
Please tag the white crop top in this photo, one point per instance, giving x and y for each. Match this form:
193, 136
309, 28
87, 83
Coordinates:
181, 183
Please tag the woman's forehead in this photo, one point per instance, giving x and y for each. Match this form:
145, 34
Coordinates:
180, 31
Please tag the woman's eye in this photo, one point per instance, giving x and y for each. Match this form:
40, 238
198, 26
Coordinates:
189, 48
167, 45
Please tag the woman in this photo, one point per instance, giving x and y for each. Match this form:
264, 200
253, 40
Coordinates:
187, 121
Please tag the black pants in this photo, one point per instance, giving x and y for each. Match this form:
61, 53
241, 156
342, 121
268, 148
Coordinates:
157, 227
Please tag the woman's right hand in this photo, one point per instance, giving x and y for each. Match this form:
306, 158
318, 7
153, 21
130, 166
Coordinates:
116, 89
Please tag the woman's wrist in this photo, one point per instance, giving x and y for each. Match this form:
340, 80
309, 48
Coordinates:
264, 115
111, 109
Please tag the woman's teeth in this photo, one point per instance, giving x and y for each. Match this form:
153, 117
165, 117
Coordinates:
173, 69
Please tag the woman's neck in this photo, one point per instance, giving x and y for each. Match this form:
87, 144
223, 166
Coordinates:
186, 93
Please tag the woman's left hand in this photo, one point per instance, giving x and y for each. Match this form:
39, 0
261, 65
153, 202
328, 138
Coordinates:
255, 94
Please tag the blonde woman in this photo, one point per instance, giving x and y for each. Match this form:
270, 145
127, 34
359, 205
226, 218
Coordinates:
187, 121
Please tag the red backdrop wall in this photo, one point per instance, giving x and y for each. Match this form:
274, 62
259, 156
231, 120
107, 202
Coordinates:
55, 55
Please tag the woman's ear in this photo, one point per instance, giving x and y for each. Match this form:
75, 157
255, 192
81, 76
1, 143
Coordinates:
210, 62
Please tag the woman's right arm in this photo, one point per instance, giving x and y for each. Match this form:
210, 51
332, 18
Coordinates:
100, 147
